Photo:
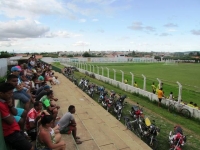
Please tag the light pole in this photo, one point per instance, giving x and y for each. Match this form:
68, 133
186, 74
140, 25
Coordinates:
132, 78
144, 85
122, 76
107, 72
114, 74
179, 92
102, 70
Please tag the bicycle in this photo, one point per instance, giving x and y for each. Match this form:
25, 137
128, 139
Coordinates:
179, 109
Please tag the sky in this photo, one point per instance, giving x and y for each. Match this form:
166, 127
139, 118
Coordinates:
99, 25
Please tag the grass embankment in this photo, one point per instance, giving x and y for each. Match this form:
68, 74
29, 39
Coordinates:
163, 118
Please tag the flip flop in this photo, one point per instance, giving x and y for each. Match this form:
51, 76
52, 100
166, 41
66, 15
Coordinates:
77, 137
78, 142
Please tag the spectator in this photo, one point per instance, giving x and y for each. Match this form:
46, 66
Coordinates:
40, 89
48, 105
67, 124
153, 88
160, 96
11, 129
135, 84
171, 97
44, 92
159, 86
190, 104
125, 81
31, 118
195, 106
19, 92
46, 88
46, 139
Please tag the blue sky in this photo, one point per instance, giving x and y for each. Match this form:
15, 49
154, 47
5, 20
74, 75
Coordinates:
99, 25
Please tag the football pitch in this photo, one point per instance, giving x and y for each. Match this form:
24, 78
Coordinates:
186, 74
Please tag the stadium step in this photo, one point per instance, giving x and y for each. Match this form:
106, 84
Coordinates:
97, 128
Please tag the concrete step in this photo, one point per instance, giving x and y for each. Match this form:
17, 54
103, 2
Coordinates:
97, 128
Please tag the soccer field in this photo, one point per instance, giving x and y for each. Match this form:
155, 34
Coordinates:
187, 74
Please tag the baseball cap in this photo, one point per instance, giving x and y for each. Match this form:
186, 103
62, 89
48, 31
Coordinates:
15, 68
47, 87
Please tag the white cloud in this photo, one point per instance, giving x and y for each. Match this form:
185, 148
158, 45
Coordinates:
21, 29
171, 25
104, 2
31, 8
164, 34
61, 34
81, 43
82, 20
95, 20
139, 26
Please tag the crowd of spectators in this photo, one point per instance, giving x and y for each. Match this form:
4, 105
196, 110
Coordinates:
36, 118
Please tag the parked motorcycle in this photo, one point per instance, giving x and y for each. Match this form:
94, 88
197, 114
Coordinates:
148, 132
176, 139
137, 112
102, 96
118, 106
90, 90
99, 89
85, 85
81, 83
75, 81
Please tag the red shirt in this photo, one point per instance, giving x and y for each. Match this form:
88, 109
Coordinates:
31, 116
5, 112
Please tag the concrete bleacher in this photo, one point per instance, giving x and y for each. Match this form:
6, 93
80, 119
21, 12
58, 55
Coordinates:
97, 128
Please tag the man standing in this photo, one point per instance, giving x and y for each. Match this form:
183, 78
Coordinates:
67, 124
160, 96
153, 88
11, 129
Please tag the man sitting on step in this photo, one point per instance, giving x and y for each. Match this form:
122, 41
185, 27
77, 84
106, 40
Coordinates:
67, 124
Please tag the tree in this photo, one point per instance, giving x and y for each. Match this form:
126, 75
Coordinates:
86, 54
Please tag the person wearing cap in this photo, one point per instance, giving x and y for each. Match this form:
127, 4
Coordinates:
46, 88
21, 86
18, 92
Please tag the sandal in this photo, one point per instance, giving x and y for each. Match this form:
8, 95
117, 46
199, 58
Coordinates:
78, 142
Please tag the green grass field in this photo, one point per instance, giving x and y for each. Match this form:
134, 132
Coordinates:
187, 74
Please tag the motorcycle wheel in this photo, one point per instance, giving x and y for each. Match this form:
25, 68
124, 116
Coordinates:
129, 127
154, 144
137, 132
119, 114
107, 108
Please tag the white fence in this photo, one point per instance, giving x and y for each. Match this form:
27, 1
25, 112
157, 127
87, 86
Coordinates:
3, 67
153, 97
